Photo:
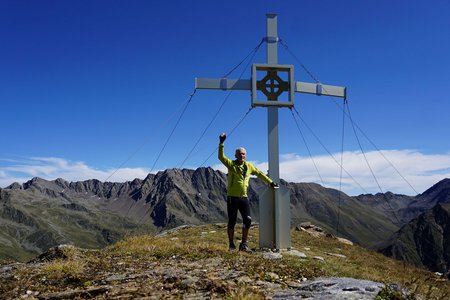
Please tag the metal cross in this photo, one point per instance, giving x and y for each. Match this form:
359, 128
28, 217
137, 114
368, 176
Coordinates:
274, 205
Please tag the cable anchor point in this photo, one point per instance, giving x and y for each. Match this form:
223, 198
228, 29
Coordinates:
271, 39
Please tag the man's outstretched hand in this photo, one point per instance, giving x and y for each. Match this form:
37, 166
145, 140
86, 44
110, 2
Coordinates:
274, 185
222, 137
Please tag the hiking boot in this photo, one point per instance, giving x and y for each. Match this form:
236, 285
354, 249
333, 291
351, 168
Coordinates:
232, 246
244, 247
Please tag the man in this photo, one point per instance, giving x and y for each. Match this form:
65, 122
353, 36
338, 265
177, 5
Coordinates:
239, 172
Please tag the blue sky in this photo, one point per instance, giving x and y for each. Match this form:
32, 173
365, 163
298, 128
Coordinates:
92, 89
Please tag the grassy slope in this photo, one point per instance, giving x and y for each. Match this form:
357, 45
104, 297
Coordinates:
327, 208
86, 269
54, 224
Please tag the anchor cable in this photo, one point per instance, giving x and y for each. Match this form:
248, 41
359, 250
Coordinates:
376, 148
252, 54
307, 147
184, 107
229, 134
362, 151
329, 153
340, 175
253, 51
189, 100
282, 42
368, 165
298, 61
173, 130
148, 140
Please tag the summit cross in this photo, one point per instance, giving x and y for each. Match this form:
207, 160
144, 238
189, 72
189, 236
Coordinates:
272, 81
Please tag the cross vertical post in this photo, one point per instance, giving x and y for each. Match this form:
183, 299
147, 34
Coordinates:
272, 208
272, 112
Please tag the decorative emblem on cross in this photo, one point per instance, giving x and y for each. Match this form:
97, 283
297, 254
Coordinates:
272, 85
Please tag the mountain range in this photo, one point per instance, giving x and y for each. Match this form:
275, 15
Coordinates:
40, 214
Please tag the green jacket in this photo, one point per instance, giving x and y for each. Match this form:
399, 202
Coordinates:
239, 175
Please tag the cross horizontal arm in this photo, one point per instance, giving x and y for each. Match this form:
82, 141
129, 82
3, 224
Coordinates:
246, 84
223, 84
321, 89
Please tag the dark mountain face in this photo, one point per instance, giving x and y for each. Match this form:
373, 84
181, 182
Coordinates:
438, 193
425, 241
177, 197
92, 213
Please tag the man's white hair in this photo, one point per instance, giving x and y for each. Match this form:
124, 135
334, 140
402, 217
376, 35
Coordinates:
241, 149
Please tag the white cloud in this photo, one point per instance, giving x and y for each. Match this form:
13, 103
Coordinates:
51, 168
420, 170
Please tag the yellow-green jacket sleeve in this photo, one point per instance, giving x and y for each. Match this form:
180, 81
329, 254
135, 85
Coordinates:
259, 174
225, 160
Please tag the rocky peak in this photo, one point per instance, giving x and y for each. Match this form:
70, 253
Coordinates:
135, 183
441, 187
438, 193
177, 175
88, 186
15, 186
144, 187
62, 183
34, 182
208, 178
49, 188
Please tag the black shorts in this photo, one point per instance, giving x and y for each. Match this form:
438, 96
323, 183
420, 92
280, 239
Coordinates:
242, 204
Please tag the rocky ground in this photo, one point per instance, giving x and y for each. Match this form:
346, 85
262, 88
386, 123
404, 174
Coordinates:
203, 279
171, 266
